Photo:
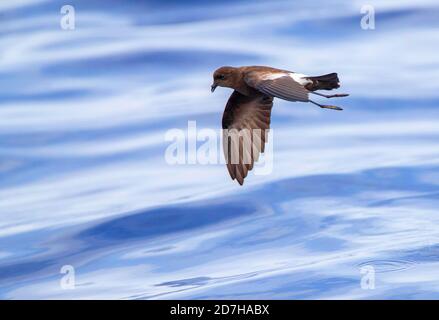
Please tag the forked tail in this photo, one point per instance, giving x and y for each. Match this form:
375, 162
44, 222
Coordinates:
326, 82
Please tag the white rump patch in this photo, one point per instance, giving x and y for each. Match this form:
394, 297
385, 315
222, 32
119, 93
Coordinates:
298, 77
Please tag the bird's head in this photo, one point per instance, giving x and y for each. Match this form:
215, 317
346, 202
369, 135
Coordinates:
223, 77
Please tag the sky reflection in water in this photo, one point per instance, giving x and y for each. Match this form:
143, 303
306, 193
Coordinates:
84, 182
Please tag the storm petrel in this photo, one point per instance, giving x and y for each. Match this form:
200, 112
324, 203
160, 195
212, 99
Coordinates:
248, 109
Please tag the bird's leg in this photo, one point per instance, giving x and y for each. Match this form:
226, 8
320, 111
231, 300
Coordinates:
338, 95
325, 106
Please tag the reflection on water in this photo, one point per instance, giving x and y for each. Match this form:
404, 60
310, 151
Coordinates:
84, 182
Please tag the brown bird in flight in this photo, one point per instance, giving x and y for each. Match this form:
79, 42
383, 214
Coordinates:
246, 118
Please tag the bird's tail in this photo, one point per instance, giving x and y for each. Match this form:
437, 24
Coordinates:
326, 82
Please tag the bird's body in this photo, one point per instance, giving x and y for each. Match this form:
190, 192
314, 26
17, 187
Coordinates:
248, 110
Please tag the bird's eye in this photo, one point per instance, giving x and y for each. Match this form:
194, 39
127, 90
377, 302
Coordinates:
221, 77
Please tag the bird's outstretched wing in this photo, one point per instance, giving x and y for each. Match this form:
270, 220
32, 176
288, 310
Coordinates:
283, 85
246, 121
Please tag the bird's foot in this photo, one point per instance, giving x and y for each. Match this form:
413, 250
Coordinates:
330, 107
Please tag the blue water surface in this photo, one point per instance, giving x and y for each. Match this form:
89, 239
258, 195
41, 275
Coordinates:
84, 181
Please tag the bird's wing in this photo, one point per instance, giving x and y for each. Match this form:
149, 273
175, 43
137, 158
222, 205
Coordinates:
283, 85
246, 122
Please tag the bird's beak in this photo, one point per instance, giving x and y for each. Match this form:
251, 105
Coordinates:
213, 87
